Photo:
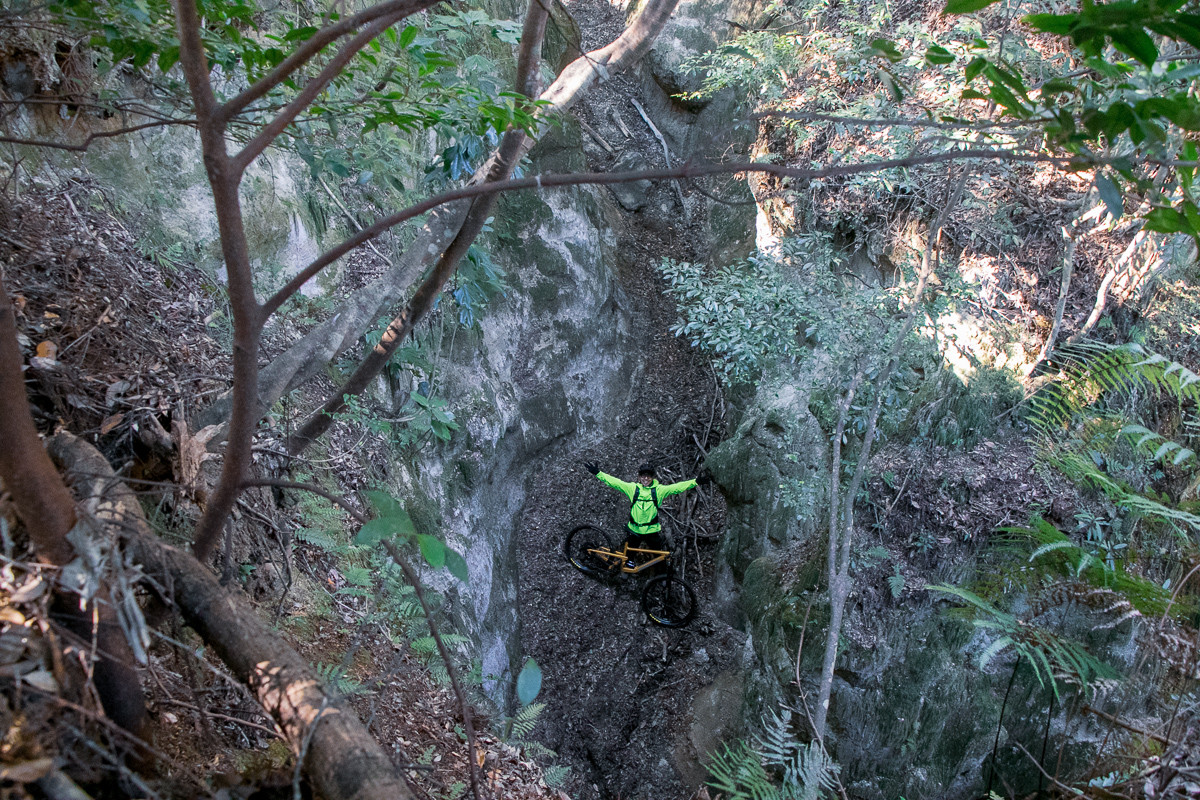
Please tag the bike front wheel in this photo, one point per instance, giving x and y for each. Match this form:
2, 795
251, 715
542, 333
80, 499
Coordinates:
669, 601
580, 545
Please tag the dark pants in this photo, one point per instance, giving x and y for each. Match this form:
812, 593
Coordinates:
647, 541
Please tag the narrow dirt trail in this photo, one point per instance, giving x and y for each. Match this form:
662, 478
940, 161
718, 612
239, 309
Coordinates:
619, 689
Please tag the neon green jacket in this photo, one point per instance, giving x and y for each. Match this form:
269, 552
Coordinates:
643, 513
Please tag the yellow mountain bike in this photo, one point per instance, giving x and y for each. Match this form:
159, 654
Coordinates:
668, 599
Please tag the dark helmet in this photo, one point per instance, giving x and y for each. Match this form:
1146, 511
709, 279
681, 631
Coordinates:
646, 469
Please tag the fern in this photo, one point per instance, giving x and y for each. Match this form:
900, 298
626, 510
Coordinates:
740, 770
537, 750
555, 775
334, 676
319, 537
896, 583
1090, 369
526, 720
738, 773
1052, 657
1056, 553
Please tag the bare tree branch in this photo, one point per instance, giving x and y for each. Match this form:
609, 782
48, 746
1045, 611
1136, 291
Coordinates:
247, 314
841, 513
314, 45
892, 122
91, 137
317, 84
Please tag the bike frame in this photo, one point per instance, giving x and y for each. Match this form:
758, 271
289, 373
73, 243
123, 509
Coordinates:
623, 556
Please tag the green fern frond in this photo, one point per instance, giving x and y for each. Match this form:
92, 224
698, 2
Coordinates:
1052, 657
537, 750
318, 537
334, 676
811, 774
994, 649
777, 743
1090, 369
737, 772
526, 720
967, 596
555, 775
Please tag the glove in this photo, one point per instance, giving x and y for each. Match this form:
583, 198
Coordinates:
591, 467
704, 479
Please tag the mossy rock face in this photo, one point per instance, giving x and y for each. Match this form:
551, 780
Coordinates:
769, 471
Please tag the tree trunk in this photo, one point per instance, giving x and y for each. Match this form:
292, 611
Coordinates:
47, 510
340, 758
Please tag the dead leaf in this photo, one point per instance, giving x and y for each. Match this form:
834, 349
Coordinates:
110, 422
114, 391
18, 301
41, 679
47, 349
50, 315
27, 771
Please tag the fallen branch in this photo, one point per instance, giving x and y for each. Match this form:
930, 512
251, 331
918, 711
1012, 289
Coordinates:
343, 761
666, 152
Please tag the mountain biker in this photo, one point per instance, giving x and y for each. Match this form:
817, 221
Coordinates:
645, 496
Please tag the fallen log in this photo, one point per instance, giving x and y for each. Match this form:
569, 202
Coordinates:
340, 758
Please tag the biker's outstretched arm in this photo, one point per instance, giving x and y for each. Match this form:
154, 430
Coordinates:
624, 487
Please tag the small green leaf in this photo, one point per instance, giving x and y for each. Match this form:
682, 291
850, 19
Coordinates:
974, 67
374, 532
168, 57
457, 565
938, 55
529, 682
432, 550
1110, 193
965, 6
1058, 24
1166, 220
384, 503
887, 49
408, 36
1137, 43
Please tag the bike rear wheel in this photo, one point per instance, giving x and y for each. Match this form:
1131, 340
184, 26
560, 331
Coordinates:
669, 601
582, 540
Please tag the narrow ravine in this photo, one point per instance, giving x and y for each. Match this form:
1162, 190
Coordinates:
619, 690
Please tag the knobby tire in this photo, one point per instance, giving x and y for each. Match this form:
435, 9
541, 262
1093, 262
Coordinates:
577, 544
669, 601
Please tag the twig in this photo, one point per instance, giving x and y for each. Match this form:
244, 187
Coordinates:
1068, 265
125, 771
1052, 779
666, 154
225, 717
621, 124
349, 216
599, 139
